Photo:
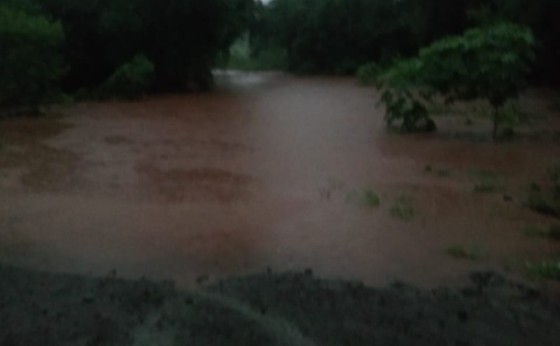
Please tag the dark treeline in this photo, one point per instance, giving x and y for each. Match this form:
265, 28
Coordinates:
157, 44
128, 47
337, 36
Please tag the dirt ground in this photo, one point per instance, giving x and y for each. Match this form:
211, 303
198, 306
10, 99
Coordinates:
41, 309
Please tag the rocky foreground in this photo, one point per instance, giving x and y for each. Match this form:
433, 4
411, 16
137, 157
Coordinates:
269, 309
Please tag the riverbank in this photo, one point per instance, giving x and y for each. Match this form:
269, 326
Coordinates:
39, 308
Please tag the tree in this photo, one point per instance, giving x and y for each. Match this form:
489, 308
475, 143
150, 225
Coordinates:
491, 62
180, 37
332, 36
30, 58
130, 80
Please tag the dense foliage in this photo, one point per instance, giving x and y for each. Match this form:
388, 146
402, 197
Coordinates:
131, 79
30, 59
122, 47
335, 36
180, 37
330, 36
93, 45
491, 62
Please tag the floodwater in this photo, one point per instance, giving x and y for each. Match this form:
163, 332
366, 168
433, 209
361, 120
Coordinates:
264, 173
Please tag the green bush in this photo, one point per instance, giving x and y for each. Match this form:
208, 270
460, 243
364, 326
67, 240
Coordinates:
242, 57
367, 74
548, 269
131, 79
490, 62
401, 104
30, 59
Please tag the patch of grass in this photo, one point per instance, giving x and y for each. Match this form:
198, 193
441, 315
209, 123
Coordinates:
543, 204
486, 181
443, 172
371, 198
485, 187
368, 198
548, 269
545, 198
471, 253
553, 232
440, 172
403, 209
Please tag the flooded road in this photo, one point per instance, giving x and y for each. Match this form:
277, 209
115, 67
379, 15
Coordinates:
269, 171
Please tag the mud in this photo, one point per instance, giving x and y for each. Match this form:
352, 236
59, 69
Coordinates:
269, 309
260, 174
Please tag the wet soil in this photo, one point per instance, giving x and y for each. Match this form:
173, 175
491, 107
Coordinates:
38, 309
268, 172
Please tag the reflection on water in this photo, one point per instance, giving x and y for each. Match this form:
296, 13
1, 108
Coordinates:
256, 175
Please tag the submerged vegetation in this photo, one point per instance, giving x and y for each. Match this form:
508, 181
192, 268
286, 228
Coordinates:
552, 232
545, 199
472, 253
548, 269
403, 208
368, 198
486, 181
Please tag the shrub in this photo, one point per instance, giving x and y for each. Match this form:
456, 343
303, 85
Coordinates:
367, 74
131, 79
30, 59
401, 103
490, 62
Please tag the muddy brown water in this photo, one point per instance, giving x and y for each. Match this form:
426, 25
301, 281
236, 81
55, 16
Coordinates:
265, 172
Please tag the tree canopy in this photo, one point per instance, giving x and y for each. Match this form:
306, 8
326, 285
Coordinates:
490, 62
30, 58
98, 40
335, 36
172, 45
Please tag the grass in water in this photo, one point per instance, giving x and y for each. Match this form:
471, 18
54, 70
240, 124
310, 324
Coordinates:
403, 209
486, 181
472, 253
544, 204
548, 269
368, 198
553, 232
438, 171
